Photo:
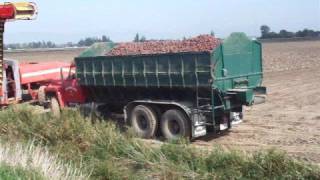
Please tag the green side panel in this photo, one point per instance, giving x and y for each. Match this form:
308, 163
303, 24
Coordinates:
238, 63
235, 64
170, 70
97, 49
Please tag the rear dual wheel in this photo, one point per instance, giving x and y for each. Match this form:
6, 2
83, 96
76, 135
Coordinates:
144, 121
174, 123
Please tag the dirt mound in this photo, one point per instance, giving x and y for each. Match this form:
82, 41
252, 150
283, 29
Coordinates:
202, 43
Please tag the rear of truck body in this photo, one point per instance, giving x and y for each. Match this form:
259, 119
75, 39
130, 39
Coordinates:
205, 87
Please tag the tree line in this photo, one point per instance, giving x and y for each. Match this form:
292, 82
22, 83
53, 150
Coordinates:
266, 33
48, 44
31, 45
82, 43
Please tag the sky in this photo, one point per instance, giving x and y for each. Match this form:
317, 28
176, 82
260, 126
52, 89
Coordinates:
64, 21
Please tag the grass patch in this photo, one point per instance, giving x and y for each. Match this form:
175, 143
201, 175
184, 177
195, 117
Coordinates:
13, 173
101, 150
35, 163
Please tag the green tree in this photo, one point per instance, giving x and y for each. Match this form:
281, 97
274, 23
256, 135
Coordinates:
308, 33
136, 38
265, 30
286, 34
143, 39
105, 39
212, 33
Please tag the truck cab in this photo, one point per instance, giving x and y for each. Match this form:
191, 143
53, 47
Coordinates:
63, 92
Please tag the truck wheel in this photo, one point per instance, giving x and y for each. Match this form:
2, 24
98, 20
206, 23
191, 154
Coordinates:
174, 125
144, 121
42, 95
55, 107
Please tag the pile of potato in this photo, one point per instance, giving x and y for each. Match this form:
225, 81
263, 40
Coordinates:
202, 43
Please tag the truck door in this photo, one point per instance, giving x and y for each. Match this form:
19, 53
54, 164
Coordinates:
72, 91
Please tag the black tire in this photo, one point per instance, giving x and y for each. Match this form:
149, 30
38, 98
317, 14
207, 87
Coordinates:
175, 125
42, 95
144, 121
55, 107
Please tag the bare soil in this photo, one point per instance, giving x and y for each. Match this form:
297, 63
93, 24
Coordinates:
44, 55
290, 119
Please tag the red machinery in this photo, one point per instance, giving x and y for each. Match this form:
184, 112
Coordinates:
11, 12
38, 72
25, 81
28, 81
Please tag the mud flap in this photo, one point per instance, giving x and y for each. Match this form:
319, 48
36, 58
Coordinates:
225, 122
236, 118
198, 125
259, 99
259, 95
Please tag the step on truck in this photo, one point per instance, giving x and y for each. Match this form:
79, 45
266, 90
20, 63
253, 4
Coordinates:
178, 89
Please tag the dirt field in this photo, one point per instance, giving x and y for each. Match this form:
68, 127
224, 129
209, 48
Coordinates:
290, 119
38, 56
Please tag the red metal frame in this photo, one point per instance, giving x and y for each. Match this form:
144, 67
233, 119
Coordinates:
43, 72
55, 77
7, 11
